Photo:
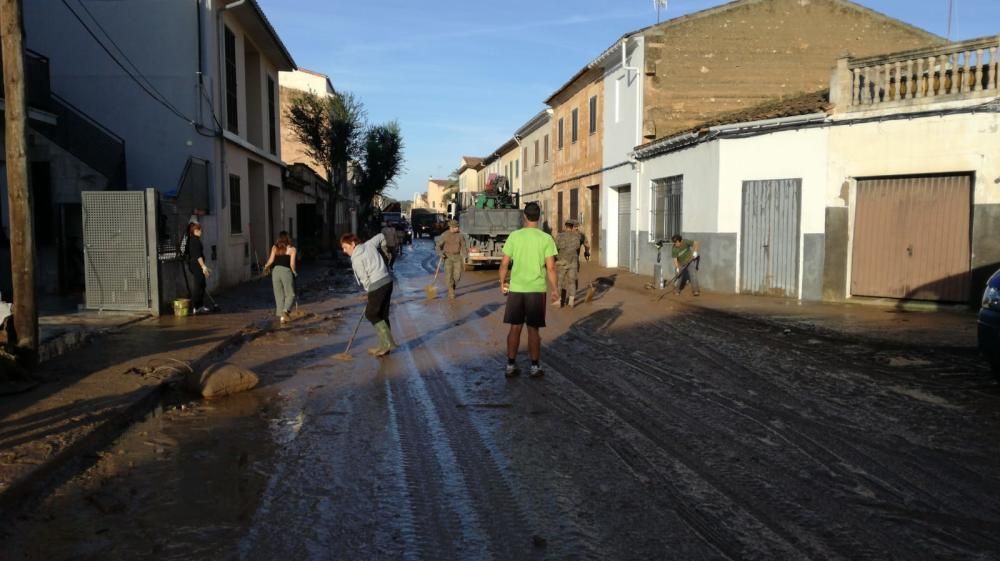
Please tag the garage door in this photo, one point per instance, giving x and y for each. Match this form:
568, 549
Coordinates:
911, 238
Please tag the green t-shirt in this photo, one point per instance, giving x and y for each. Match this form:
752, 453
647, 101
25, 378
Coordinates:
529, 248
683, 254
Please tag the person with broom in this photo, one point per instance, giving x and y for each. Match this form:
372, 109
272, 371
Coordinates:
451, 250
372, 273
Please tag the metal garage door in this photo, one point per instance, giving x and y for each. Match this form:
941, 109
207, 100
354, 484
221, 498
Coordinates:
911, 238
769, 246
624, 228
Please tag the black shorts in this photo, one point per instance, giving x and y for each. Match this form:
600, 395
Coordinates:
525, 308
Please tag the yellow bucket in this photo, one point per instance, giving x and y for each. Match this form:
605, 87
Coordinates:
182, 306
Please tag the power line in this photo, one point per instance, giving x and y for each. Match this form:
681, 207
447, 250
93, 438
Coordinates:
146, 87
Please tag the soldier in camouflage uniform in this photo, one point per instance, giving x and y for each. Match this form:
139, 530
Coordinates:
451, 247
568, 244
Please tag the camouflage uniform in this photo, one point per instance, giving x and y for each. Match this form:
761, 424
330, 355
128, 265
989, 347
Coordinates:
451, 247
568, 245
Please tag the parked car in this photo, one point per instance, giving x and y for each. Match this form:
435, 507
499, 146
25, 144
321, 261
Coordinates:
989, 323
429, 224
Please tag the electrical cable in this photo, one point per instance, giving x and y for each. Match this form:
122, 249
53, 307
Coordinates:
146, 87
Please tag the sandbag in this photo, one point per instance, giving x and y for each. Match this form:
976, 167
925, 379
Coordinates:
221, 379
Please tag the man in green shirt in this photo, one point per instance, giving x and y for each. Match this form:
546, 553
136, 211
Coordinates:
533, 253
685, 254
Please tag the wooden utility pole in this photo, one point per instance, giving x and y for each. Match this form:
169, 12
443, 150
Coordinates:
22, 242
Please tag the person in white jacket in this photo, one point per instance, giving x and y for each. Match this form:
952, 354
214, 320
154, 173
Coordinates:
373, 275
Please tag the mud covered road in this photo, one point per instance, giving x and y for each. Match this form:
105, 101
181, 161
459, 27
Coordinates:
660, 431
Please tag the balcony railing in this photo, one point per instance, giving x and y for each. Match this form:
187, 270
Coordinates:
953, 72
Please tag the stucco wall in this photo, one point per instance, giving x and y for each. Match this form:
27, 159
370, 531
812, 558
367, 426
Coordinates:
739, 55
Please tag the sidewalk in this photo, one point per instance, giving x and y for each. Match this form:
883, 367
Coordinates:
88, 395
881, 322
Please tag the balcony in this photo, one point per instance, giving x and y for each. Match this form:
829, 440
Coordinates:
954, 72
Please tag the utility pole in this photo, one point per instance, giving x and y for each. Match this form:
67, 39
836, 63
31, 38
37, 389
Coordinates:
22, 243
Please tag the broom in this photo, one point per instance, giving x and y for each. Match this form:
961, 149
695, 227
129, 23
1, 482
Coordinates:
432, 289
346, 355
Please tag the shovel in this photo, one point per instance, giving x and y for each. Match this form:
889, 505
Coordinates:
432, 289
346, 355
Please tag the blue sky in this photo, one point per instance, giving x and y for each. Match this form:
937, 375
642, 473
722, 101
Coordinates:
462, 76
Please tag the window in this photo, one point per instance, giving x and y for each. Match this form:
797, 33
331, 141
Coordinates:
575, 126
574, 204
235, 210
559, 138
524, 156
517, 168
546, 151
272, 127
593, 114
667, 199
536, 154
232, 109
559, 211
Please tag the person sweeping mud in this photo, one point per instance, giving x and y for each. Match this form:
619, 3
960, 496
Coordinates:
451, 249
568, 244
533, 252
372, 273
686, 261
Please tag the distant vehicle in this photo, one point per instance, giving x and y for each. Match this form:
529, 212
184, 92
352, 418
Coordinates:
487, 218
398, 221
989, 323
429, 224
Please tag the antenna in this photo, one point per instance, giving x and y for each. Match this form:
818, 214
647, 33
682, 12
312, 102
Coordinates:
951, 13
659, 5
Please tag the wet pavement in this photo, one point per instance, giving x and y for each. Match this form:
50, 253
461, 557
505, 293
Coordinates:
659, 431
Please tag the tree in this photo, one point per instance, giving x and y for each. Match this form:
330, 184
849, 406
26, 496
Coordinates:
330, 129
380, 163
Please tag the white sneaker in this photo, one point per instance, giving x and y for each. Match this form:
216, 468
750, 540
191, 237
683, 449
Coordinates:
511, 371
536, 371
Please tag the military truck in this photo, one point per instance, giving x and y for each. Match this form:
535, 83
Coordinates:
486, 219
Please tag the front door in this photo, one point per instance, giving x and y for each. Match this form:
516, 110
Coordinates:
625, 228
769, 247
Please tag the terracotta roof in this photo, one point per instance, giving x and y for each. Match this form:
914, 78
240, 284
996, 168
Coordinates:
801, 104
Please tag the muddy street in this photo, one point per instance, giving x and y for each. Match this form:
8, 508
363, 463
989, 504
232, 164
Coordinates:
659, 431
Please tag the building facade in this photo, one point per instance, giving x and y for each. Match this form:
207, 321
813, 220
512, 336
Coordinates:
201, 115
578, 156
536, 157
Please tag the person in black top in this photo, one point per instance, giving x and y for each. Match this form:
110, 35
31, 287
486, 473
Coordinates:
199, 270
281, 265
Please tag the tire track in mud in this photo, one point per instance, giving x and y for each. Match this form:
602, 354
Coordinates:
460, 484
901, 489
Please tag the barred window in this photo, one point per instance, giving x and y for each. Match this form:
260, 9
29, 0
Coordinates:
666, 209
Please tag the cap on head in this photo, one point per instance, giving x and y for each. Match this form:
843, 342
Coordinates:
572, 223
453, 223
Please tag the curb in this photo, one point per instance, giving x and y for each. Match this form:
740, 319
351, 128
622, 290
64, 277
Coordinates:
61, 465
75, 339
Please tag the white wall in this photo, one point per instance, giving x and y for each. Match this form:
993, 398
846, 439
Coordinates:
795, 154
700, 167
951, 143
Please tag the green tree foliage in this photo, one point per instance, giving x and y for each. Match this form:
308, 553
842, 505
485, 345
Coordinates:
380, 162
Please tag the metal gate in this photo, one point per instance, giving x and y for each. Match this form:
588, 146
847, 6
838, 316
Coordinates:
912, 238
625, 228
769, 248
120, 259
